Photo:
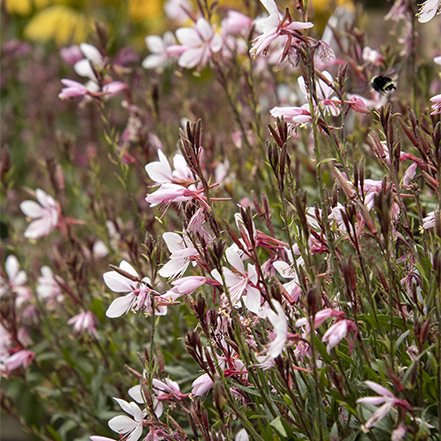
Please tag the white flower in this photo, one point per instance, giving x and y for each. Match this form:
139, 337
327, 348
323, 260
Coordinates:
131, 429
428, 10
15, 283
45, 215
240, 282
182, 253
47, 287
288, 271
139, 297
200, 41
280, 325
163, 50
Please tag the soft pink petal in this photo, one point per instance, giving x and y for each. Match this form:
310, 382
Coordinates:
379, 389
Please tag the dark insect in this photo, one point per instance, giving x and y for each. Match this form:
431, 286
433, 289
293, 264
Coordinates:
383, 84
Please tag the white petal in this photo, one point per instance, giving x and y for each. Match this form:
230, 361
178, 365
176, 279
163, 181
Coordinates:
235, 260
216, 43
118, 283
188, 37
174, 242
38, 228
12, 266
173, 267
125, 266
125, 406
155, 44
160, 171
205, 29
253, 299
136, 434
119, 306
84, 69
270, 6
91, 53
122, 424
32, 209
191, 58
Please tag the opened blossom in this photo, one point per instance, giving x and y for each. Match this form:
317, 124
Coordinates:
182, 253
276, 26
129, 427
163, 51
15, 283
44, 215
140, 296
48, 289
21, 358
287, 270
241, 283
84, 322
278, 320
385, 396
199, 43
428, 10
324, 93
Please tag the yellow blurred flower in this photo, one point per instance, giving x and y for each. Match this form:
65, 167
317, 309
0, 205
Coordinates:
24, 7
140, 10
59, 23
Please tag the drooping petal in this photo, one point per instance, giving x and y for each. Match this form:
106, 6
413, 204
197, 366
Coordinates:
379, 389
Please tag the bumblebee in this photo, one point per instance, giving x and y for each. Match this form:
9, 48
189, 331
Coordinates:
383, 84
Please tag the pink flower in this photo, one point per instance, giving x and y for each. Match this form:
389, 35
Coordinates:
387, 397
139, 297
129, 428
45, 215
185, 286
428, 10
372, 56
71, 54
84, 322
15, 283
21, 358
338, 331
437, 106
111, 89
200, 42
274, 27
241, 283
292, 115
74, 88
236, 23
